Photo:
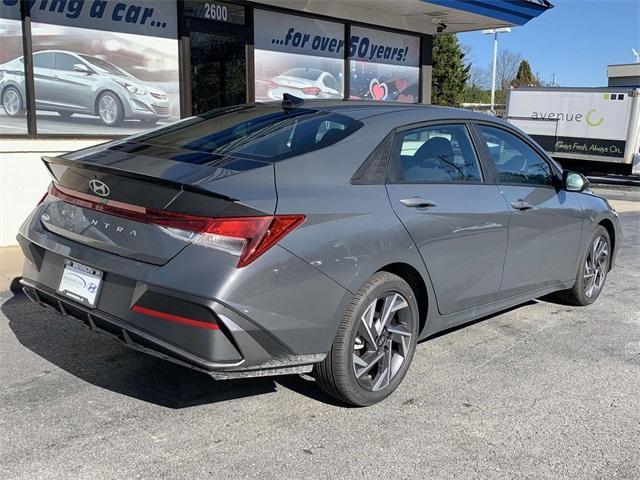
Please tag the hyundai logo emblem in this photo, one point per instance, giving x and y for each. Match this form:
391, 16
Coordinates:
99, 188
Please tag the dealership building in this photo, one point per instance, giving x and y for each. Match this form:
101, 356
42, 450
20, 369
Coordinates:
75, 73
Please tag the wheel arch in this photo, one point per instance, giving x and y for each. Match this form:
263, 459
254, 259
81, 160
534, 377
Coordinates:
413, 277
608, 225
99, 94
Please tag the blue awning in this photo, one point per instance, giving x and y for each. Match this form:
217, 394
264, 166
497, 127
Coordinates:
515, 12
425, 16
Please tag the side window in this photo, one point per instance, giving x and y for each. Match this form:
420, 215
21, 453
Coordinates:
441, 153
516, 162
43, 60
65, 62
329, 82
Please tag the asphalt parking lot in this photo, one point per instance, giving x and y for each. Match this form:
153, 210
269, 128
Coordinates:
540, 391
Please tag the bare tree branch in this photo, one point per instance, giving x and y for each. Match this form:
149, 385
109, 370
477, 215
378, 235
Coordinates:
507, 68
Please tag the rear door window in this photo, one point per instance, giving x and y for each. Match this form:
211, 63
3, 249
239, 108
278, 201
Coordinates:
439, 153
43, 60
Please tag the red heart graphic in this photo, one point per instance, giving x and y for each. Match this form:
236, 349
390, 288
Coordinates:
378, 91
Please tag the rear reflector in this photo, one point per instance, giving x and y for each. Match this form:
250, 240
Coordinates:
246, 237
174, 318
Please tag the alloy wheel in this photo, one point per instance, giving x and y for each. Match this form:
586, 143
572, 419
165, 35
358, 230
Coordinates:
595, 269
11, 102
108, 109
382, 341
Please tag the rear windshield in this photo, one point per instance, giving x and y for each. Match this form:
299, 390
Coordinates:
259, 132
306, 73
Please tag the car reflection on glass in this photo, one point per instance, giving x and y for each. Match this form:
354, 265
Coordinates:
73, 83
304, 83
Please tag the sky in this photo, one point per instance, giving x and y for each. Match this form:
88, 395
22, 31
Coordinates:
576, 40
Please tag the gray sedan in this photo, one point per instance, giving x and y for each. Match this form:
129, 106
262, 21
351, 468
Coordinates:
321, 237
73, 83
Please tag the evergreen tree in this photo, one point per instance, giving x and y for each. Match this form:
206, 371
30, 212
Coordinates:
450, 74
525, 77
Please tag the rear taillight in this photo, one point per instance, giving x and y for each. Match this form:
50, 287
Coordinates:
311, 90
246, 237
272, 85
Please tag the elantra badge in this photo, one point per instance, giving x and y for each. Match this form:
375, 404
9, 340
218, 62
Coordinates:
99, 188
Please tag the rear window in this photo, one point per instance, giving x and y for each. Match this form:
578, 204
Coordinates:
259, 132
306, 73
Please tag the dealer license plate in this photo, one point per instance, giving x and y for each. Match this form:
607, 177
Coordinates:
80, 282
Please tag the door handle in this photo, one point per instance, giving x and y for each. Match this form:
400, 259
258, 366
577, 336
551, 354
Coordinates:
417, 202
521, 205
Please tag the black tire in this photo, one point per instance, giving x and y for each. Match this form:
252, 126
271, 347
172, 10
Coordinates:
336, 374
65, 114
579, 295
111, 120
9, 96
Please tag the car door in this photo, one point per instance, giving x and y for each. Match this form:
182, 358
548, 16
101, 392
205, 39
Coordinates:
456, 216
546, 221
71, 90
42, 64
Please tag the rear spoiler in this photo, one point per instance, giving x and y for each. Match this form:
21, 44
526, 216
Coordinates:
90, 167
147, 191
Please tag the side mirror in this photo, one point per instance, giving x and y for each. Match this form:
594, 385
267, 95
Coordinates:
574, 182
82, 68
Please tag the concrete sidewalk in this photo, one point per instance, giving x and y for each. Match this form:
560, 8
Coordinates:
11, 259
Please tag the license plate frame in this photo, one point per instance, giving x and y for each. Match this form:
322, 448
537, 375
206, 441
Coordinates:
81, 283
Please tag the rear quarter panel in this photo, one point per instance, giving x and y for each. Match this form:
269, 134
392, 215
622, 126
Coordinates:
351, 231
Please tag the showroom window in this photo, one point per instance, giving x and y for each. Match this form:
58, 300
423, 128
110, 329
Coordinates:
297, 55
111, 68
384, 65
99, 68
13, 101
101, 83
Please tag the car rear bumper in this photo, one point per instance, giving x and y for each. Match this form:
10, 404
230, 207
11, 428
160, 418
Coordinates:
247, 357
224, 342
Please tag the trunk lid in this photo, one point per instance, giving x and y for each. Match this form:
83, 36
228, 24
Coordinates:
144, 177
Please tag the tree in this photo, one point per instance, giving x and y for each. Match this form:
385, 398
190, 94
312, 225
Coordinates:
450, 73
506, 68
479, 77
525, 77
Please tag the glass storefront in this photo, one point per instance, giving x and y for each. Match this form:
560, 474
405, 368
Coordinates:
112, 68
102, 83
12, 84
297, 55
384, 65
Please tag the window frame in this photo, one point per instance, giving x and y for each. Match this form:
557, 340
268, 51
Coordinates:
490, 165
396, 150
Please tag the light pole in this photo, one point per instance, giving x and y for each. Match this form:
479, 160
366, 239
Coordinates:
495, 32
